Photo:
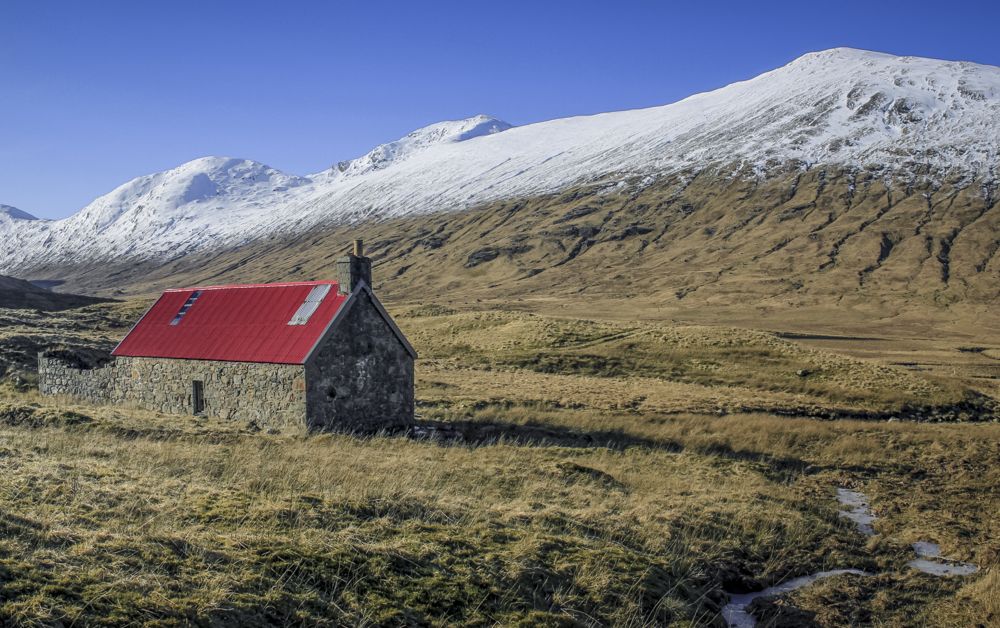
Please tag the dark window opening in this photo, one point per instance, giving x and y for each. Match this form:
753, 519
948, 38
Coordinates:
197, 397
332, 393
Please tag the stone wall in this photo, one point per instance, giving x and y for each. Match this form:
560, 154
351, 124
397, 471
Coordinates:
361, 378
56, 377
271, 395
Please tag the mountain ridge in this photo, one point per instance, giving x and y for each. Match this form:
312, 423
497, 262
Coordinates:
8, 212
902, 118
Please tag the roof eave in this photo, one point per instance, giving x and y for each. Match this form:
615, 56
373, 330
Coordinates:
114, 352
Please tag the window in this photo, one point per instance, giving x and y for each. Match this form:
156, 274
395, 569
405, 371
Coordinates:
187, 306
197, 397
310, 305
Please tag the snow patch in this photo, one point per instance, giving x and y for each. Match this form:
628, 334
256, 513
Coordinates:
860, 511
940, 566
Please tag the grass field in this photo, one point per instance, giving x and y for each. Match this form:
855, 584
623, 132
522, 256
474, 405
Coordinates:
594, 472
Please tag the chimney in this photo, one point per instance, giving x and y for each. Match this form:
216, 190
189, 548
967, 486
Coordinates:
354, 268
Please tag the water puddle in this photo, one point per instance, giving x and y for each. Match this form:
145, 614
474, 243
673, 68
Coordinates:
925, 549
736, 615
929, 559
931, 562
860, 512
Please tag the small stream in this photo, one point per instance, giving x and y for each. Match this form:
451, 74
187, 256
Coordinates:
736, 615
858, 510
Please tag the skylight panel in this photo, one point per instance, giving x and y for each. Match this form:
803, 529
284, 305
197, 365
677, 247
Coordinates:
187, 306
310, 305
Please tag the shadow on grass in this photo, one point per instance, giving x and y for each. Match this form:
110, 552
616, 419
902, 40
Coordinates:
484, 433
781, 469
481, 433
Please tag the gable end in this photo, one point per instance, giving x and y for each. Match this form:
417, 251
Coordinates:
341, 314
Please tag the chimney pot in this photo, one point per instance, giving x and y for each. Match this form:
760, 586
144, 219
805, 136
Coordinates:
359, 248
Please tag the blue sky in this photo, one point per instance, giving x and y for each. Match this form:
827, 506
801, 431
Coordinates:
94, 94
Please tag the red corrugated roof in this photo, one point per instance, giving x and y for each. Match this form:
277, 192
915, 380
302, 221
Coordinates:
238, 323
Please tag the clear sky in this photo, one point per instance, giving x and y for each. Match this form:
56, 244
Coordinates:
93, 94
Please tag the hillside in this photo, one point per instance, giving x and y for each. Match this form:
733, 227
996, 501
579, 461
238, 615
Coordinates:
843, 175
817, 250
20, 294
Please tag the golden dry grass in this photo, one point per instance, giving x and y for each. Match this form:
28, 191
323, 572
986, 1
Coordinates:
113, 516
655, 366
593, 482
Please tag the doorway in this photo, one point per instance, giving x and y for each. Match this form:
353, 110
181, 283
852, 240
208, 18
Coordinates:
197, 397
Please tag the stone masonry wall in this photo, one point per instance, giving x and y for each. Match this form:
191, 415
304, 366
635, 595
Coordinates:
271, 395
58, 378
361, 379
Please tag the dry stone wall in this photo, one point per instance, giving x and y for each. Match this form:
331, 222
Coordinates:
270, 395
55, 377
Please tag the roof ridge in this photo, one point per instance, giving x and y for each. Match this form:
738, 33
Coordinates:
284, 284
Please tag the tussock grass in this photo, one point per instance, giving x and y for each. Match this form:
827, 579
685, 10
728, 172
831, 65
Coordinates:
121, 528
598, 473
714, 367
134, 517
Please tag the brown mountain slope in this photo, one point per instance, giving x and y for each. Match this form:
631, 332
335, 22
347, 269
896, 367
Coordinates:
813, 239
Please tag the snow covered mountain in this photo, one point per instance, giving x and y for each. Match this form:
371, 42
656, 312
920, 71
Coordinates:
383, 156
9, 214
904, 116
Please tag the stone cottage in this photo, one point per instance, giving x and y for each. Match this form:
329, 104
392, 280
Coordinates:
324, 354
